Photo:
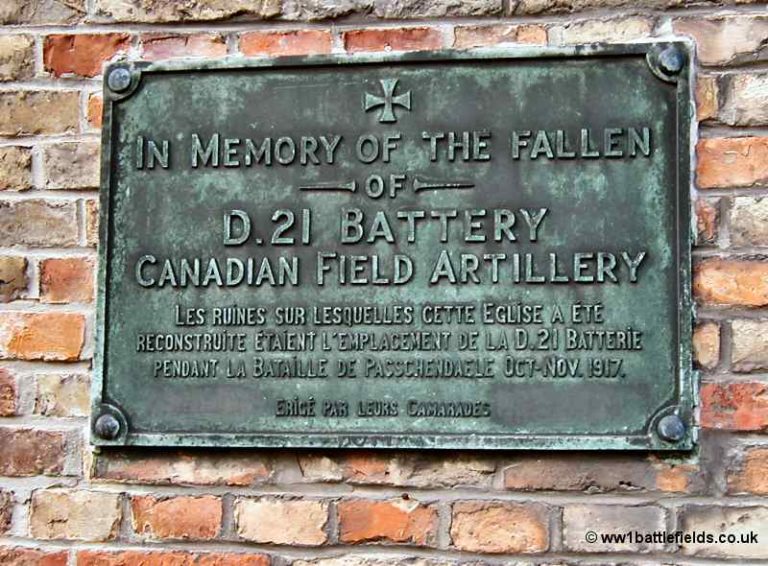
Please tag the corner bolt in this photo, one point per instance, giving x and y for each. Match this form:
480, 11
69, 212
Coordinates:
671, 60
119, 79
107, 427
671, 428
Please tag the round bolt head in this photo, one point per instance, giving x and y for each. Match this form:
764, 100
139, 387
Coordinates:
671, 60
119, 79
671, 428
107, 427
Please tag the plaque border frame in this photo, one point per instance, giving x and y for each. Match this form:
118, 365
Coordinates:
682, 406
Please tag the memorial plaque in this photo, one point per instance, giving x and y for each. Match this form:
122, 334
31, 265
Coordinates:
478, 250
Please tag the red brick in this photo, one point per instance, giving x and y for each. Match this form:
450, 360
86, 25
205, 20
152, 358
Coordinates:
675, 479
731, 162
731, 282
188, 518
26, 452
168, 558
491, 527
532, 34
158, 46
82, 54
397, 521
482, 36
95, 110
741, 406
7, 393
275, 43
230, 559
395, 39
707, 221
706, 345
182, 468
410, 469
752, 476
24, 556
66, 280
51, 336
368, 468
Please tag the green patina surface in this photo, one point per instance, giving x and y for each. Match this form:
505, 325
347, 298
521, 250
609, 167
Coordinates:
594, 204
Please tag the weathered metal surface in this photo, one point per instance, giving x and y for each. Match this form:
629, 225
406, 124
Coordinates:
441, 250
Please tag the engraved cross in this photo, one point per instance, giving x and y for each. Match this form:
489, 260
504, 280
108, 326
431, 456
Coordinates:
388, 101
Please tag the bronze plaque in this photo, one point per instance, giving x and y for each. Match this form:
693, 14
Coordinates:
477, 250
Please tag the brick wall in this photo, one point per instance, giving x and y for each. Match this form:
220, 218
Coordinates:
61, 503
